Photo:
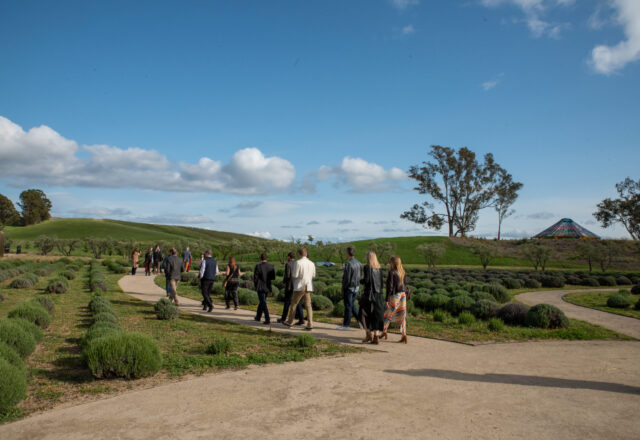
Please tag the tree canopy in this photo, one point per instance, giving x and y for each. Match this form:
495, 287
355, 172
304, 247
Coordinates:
9, 215
35, 205
624, 210
460, 187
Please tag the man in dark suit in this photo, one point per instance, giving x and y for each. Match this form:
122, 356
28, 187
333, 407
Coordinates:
263, 274
288, 291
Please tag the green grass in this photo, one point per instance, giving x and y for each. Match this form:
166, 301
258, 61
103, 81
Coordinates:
598, 300
116, 229
57, 373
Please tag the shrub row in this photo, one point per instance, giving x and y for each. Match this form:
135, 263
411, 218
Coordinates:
96, 277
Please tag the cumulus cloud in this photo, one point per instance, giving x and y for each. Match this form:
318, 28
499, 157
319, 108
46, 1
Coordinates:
403, 4
408, 30
358, 175
41, 155
609, 59
265, 234
534, 12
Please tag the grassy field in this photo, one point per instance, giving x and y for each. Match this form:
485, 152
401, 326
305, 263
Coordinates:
423, 324
598, 300
57, 373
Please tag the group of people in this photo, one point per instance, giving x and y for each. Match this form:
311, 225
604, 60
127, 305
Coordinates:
375, 313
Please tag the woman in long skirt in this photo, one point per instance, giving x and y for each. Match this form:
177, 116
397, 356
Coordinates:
396, 301
371, 301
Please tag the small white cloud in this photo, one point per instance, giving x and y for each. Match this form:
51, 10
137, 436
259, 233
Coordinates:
358, 175
100, 212
488, 85
408, 30
533, 11
404, 4
266, 234
607, 59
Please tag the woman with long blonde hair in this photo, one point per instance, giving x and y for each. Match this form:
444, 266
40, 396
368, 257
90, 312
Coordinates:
371, 301
396, 301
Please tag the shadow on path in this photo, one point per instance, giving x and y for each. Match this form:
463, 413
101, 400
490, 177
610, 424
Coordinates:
517, 379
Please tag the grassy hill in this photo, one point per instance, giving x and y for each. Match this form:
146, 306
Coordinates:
118, 230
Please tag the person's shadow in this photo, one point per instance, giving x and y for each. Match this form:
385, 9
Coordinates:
518, 379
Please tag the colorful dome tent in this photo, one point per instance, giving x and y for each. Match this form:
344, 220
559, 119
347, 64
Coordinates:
566, 228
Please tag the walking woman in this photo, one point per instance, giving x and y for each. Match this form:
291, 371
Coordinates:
396, 301
231, 283
148, 262
371, 301
135, 258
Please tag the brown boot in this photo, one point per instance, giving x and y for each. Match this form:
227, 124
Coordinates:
403, 339
376, 340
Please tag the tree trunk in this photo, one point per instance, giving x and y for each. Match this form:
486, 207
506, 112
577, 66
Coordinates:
499, 227
1, 244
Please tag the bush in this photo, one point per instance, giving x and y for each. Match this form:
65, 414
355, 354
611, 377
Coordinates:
68, 274
420, 299
552, 281
338, 309
499, 292
248, 297
546, 316
333, 292
220, 345
305, 341
10, 355
186, 277
485, 309
623, 281
495, 324
466, 318
29, 327
624, 292
439, 315
319, 302
32, 312
478, 295
45, 302
513, 313
23, 282
105, 317
512, 283
635, 290
436, 301
16, 337
165, 309
607, 281
618, 301
458, 304
13, 385
128, 355
591, 282
530, 283
59, 285
99, 304
98, 331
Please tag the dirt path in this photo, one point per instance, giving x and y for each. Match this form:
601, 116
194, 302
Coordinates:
427, 389
619, 323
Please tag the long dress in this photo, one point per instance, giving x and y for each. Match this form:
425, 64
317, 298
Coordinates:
371, 301
397, 299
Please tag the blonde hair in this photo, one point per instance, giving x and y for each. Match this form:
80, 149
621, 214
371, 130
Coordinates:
232, 262
372, 260
396, 264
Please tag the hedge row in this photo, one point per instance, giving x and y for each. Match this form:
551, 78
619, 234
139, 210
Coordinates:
96, 277
18, 337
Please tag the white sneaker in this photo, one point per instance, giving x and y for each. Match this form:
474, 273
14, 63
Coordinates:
342, 328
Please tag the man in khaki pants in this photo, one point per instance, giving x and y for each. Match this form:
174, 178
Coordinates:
304, 271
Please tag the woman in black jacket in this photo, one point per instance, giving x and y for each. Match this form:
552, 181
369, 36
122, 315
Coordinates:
371, 301
396, 301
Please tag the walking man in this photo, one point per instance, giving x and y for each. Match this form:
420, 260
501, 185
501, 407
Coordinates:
173, 271
208, 272
263, 274
304, 271
186, 259
350, 286
288, 291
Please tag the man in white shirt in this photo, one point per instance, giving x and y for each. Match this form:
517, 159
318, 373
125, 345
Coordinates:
304, 271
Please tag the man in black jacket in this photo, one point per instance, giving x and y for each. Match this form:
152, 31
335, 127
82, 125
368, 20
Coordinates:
288, 291
173, 272
350, 286
208, 272
263, 274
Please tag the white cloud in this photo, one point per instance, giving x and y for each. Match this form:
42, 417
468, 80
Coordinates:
358, 175
404, 4
265, 234
408, 30
100, 212
488, 85
533, 11
41, 155
609, 59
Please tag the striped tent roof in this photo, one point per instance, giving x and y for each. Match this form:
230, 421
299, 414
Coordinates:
566, 228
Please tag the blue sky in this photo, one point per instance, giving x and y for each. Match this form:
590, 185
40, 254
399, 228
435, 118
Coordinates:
288, 118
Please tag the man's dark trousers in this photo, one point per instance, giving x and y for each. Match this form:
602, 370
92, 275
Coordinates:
262, 307
350, 308
206, 286
288, 295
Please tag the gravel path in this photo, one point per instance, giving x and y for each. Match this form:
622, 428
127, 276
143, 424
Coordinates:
619, 323
426, 389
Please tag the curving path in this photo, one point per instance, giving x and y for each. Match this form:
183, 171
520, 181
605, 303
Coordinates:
619, 323
426, 389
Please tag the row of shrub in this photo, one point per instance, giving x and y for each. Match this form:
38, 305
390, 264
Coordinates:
60, 284
13, 268
19, 335
111, 352
96, 277
622, 299
117, 266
